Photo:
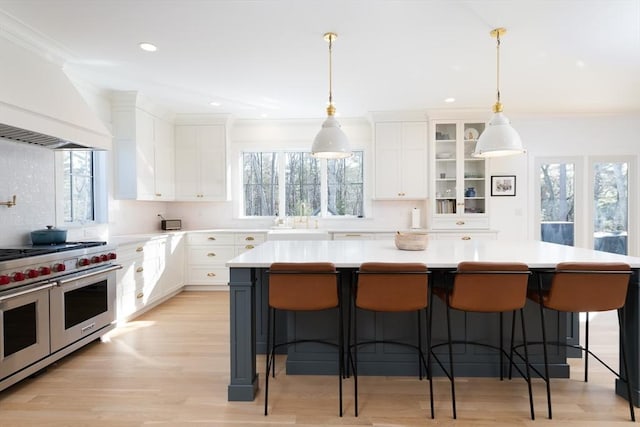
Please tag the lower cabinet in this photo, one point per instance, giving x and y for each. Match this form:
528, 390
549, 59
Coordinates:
152, 271
465, 235
208, 252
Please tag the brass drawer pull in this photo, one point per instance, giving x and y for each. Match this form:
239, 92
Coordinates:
249, 238
352, 235
249, 247
211, 254
139, 249
211, 274
460, 223
212, 238
139, 269
466, 238
140, 295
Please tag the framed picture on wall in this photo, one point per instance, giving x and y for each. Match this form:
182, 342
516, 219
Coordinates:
503, 185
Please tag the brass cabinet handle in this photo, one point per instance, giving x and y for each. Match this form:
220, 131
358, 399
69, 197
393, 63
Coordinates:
158, 194
199, 195
139, 249
352, 235
466, 238
211, 274
249, 238
249, 247
211, 254
140, 295
212, 238
139, 269
460, 223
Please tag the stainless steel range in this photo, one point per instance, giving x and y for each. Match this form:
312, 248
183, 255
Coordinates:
53, 300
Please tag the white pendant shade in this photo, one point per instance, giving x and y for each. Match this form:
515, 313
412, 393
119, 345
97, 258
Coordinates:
331, 142
498, 139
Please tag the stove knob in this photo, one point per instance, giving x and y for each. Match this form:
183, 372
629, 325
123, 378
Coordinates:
18, 276
31, 274
104, 257
83, 261
5, 280
45, 271
95, 259
59, 267
112, 255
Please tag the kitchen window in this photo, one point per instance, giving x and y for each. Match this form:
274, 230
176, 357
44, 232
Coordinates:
81, 183
297, 184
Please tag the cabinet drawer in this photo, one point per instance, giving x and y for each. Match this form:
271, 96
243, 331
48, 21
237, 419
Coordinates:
353, 236
213, 275
211, 255
459, 223
211, 238
466, 236
246, 247
249, 238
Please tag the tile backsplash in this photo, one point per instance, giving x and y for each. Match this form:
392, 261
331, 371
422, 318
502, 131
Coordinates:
28, 172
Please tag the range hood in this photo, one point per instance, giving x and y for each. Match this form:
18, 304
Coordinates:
40, 105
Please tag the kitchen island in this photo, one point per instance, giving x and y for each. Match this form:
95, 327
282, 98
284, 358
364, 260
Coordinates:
249, 285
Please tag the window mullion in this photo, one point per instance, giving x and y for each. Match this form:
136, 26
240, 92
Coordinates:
282, 193
324, 188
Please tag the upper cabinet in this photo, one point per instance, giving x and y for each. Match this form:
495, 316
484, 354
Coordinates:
459, 181
401, 160
143, 149
201, 162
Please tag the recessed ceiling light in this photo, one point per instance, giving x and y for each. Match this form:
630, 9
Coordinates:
580, 64
449, 100
149, 47
214, 104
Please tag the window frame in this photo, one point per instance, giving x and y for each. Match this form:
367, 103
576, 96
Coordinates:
324, 186
100, 194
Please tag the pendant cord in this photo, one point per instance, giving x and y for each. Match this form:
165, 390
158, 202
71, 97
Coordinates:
330, 73
498, 66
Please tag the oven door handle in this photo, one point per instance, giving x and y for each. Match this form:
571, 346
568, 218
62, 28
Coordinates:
26, 291
90, 274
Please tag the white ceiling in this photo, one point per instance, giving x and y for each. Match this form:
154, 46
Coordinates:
268, 57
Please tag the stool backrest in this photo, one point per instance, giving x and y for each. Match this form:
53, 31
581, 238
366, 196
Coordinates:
392, 287
489, 287
581, 287
303, 286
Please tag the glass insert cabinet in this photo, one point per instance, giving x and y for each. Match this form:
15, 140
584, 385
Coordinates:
460, 184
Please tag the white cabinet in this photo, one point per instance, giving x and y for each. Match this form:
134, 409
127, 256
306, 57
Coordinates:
459, 181
401, 160
201, 163
143, 149
208, 252
151, 272
466, 235
354, 235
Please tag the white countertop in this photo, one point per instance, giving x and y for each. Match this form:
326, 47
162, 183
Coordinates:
439, 253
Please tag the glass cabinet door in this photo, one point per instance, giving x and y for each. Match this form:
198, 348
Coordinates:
460, 181
473, 171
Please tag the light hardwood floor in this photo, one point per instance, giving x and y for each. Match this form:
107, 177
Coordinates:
170, 367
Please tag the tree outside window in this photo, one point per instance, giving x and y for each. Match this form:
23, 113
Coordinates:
78, 186
312, 187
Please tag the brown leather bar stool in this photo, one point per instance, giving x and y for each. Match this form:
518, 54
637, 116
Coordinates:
392, 288
487, 287
585, 287
312, 286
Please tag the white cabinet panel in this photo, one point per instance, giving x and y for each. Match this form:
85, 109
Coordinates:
401, 160
201, 162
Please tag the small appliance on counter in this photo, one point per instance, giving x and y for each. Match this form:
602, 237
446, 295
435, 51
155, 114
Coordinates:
170, 224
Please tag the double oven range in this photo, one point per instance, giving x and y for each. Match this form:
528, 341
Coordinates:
53, 300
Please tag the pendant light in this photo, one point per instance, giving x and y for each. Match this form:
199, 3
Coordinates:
498, 138
331, 142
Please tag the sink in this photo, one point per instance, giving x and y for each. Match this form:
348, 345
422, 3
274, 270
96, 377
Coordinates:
298, 234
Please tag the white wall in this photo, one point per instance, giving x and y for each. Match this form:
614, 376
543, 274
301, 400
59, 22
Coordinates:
555, 136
